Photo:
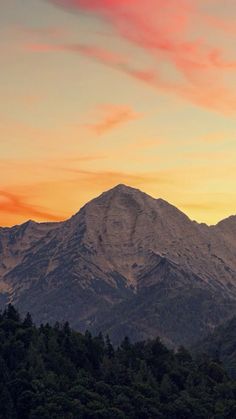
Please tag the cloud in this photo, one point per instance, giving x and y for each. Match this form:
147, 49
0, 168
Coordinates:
91, 51
226, 26
16, 204
112, 116
199, 92
156, 25
166, 31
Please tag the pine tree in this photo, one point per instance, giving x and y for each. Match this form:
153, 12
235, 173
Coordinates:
109, 350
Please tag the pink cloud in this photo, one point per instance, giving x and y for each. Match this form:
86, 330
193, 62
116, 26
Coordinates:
198, 91
164, 30
40, 47
227, 26
112, 117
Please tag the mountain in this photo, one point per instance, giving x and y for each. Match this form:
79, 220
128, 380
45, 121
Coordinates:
126, 263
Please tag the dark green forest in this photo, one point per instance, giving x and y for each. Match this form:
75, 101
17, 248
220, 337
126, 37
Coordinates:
221, 344
51, 372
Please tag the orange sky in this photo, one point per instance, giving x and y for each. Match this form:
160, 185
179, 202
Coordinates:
100, 92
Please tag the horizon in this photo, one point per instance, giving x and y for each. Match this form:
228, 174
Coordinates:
96, 93
107, 191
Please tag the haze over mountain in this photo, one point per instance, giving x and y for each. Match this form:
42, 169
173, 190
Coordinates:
126, 263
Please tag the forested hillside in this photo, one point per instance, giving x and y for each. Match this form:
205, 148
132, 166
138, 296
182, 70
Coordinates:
221, 345
54, 372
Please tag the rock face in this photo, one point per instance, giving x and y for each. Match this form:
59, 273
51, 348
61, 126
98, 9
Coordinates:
126, 263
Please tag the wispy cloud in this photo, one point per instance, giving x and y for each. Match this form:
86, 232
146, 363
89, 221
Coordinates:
198, 90
18, 205
100, 54
164, 31
110, 117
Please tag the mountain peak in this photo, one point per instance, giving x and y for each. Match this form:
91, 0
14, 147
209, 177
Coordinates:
122, 188
121, 192
132, 200
28, 223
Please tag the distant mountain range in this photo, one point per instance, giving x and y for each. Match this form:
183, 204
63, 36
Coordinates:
125, 264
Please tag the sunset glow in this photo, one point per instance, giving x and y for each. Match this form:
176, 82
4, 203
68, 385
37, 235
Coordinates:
100, 92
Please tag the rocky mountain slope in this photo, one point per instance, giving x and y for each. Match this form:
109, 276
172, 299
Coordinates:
126, 263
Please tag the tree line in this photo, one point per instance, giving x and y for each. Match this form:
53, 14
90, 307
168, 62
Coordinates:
54, 372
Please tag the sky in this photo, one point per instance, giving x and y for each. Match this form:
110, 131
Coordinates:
100, 92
